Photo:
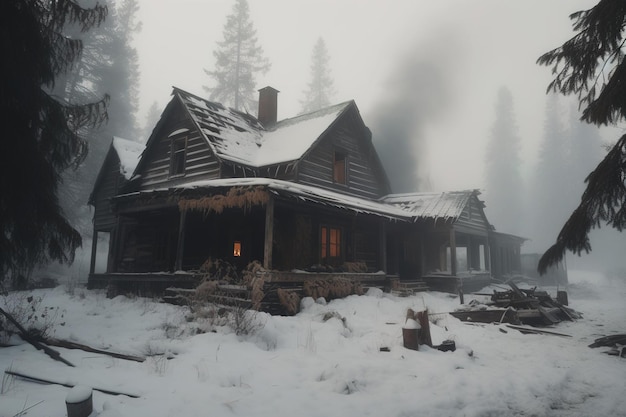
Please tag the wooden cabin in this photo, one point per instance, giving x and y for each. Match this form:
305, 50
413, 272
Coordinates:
117, 168
305, 197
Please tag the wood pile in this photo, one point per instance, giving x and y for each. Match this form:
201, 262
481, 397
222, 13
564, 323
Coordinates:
519, 306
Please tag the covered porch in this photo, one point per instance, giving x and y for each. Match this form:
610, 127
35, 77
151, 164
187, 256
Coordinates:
167, 236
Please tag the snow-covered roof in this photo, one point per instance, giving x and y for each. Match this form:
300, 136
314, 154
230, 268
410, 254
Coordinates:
444, 205
302, 192
405, 207
129, 153
240, 138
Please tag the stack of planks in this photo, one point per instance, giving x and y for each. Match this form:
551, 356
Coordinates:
525, 306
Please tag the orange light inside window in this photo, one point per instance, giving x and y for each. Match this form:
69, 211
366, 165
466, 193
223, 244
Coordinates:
335, 239
237, 248
323, 241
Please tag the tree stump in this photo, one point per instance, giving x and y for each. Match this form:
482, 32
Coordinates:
79, 401
410, 334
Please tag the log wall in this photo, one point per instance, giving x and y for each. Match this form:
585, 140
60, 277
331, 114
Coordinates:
363, 177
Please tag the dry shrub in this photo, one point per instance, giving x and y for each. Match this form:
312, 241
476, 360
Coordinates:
206, 289
255, 283
316, 289
219, 269
289, 300
335, 287
355, 267
236, 197
256, 291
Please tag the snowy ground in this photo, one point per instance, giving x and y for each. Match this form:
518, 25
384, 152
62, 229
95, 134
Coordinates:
308, 366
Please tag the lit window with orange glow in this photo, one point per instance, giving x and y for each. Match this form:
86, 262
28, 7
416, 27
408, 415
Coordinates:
237, 248
330, 242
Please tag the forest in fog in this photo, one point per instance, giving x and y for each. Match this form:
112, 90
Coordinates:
527, 194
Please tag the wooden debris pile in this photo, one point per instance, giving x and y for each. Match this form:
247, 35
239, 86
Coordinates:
518, 306
616, 343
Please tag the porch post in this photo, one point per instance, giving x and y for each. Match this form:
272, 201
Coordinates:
470, 253
382, 238
452, 251
180, 248
94, 247
269, 233
488, 256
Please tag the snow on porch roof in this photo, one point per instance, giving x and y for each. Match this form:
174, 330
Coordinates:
129, 153
308, 193
240, 138
444, 205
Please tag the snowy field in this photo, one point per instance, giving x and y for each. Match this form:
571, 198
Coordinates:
326, 361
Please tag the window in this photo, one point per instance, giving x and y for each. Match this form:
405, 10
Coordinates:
339, 168
177, 161
330, 243
237, 248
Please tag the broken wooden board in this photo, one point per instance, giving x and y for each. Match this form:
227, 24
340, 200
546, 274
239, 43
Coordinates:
500, 315
25, 336
533, 330
73, 345
31, 376
610, 341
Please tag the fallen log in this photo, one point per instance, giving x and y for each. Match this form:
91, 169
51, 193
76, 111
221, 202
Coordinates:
609, 341
73, 345
65, 384
532, 330
24, 335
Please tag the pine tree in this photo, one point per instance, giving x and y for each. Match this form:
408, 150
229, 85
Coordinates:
238, 60
122, 79
108, 65
41, 133
320, 88
549, 202
503, 166
154, 113
591, 65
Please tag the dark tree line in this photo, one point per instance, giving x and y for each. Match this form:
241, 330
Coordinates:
108, 65
42, 133
591, 65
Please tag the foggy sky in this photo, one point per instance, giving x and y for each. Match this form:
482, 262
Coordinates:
497, 44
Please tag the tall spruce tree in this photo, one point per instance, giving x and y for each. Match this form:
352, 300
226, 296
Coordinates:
121, 81
238, 59
548, 202
503, 167
42, 133
320, 89
591, 65
108, 65
154, 113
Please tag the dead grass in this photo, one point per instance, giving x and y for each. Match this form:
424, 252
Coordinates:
289, 300
335, 287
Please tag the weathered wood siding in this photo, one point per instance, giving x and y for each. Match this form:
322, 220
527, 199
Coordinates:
472, 219
109, 182
350, 137
200, 162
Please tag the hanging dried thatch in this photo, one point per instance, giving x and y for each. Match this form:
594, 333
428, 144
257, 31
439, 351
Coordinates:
237, 197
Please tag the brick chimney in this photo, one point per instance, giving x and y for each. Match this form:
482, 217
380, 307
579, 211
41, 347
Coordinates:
268, 105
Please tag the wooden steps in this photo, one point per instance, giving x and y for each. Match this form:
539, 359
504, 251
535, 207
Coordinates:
408, 288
